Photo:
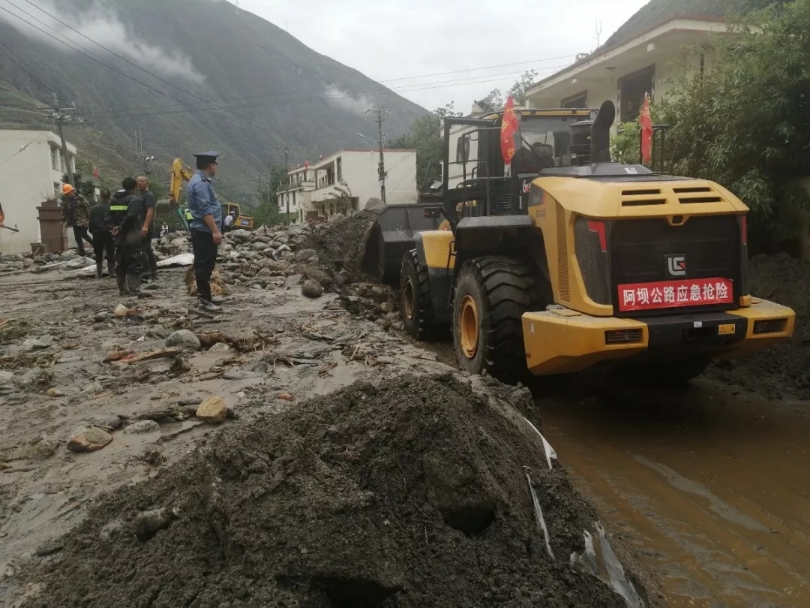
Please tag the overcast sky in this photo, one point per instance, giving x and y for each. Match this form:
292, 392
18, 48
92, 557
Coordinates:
401, 42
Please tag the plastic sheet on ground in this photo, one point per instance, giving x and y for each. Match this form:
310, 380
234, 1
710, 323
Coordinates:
538, 513
608, 569
184, 259
549, 451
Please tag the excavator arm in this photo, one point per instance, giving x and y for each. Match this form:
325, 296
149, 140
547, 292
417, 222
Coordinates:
182, 173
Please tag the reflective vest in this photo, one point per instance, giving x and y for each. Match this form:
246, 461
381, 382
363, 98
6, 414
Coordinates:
189, 217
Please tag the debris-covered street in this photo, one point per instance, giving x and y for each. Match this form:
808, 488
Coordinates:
301, 450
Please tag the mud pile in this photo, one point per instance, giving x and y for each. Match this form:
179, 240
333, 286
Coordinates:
340, 243
410, 494
782, 371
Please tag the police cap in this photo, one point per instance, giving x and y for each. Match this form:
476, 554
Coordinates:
207, 157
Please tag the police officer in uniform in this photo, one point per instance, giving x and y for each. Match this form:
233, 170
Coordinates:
206, 226
125, 220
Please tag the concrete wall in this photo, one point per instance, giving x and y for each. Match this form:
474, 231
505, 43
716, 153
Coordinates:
28, 179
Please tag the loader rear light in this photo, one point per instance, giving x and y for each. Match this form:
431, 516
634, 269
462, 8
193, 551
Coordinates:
770, 326
623, 336
601, 232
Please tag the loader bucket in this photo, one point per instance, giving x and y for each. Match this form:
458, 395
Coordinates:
391, 235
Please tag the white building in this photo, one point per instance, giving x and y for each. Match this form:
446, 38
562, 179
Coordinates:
348, 178
32, 166
648, 54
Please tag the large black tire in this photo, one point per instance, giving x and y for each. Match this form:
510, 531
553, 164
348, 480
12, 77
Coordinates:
494, 292
416, 306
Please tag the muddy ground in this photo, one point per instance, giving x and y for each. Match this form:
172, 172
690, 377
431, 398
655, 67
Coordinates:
700, 490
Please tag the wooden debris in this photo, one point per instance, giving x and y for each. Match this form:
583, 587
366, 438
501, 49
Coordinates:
165, 353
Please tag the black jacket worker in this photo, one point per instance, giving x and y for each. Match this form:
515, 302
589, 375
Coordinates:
125, 221
102, 238
148, 228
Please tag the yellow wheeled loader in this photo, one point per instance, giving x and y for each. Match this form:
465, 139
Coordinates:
565, 261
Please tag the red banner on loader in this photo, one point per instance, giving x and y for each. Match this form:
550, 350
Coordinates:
675, 294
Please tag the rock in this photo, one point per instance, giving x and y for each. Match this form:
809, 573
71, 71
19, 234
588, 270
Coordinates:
318, 275
212, 410
6, 377
387, 307
142, 427
111, 529
185, 339
40, 449
148, 523
109, 424
37, 343
259, 246
32, 376
293, 280
384, 323
89, 439
239, 235
219, 347
312, 289
235, 374
93, 389
120, 311
287, 255
305, 255
398, 325
282, 249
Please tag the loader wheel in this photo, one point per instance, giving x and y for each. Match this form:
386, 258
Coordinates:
491, 295
416, 304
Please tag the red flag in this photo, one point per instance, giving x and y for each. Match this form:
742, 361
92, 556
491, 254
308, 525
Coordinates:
95, 172
646, 130
509, 127
306, 164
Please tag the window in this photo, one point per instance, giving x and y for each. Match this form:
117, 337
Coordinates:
463, 149
57, 189
632, 89
339, 168
55, 158
580, 100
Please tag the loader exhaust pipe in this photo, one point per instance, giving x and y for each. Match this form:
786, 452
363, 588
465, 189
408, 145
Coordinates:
600, 133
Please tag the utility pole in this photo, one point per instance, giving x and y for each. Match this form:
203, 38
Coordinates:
380, 112
60, 116
285, 150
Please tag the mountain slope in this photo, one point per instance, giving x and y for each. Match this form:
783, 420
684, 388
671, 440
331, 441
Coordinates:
253, 87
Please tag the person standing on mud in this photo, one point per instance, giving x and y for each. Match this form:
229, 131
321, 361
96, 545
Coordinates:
205, 226
125, 221
149, 202
102, 239
76, 215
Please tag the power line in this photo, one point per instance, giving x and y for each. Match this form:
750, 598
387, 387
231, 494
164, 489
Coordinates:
124, 59
19, 62
391, 89
90, 55
404, 89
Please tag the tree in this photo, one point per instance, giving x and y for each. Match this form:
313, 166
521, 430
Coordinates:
87, 188
425, 136
746, 122
521, 86
267, 212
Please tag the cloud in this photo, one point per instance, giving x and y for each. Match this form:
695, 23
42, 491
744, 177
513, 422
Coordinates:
103, 27
357, 104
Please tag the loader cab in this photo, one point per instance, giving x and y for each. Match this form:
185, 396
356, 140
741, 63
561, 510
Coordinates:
475, 180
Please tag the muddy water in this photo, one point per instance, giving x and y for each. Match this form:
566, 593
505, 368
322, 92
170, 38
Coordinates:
708, 489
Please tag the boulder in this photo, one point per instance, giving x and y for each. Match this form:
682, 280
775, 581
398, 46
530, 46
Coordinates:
212, 410
184, 338
89, 439
312, 289
142, 427
305, 255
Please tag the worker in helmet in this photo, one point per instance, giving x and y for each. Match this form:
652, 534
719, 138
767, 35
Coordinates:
76, 215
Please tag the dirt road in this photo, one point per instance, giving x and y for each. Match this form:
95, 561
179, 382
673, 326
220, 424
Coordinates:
708, 488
